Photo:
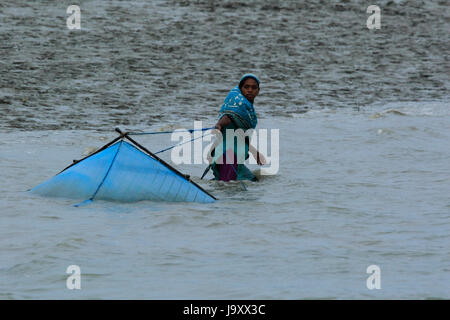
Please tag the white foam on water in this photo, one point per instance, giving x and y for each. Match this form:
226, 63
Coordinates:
412, 108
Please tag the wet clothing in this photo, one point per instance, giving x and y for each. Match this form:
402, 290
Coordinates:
226, 166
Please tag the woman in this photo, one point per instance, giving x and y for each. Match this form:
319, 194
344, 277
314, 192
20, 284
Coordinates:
237, 112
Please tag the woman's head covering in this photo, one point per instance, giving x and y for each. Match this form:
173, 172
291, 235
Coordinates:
239, 109
246, 76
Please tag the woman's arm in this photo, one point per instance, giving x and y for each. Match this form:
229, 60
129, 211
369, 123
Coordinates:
260, 159
223, 122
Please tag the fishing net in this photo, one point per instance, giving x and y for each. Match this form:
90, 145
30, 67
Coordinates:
123, 172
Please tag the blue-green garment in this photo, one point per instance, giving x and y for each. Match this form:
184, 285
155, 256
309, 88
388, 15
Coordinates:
239, 109
243, 116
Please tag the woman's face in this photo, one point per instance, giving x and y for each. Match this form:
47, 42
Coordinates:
250, 89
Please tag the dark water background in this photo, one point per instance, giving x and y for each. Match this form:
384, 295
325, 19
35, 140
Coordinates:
141, 63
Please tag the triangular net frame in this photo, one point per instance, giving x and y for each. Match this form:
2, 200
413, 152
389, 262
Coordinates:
125, 172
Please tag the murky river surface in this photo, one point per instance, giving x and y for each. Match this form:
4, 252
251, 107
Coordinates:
364, 125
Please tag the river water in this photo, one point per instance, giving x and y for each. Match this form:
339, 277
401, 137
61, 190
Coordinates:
364, 129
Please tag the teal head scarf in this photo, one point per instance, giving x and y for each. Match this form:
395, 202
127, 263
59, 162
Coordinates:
238, 107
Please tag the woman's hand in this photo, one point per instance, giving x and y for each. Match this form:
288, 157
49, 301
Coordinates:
260, 159
209, 156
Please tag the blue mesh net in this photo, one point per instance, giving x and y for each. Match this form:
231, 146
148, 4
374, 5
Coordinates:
123, 173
